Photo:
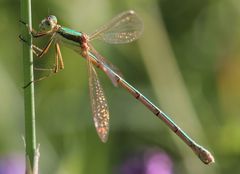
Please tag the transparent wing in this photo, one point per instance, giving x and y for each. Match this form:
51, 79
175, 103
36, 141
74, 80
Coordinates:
124, 28
99, 104
94, 53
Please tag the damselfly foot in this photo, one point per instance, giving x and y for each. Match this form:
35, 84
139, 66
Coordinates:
22, 39
24, 23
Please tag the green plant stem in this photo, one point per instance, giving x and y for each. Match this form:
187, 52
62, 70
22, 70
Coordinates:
29, 104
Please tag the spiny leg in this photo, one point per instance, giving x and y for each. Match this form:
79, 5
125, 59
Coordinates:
45, 49
52, 72
33, 47
56, 60
43, 69
58, 52
57, 66
42, 52
36, 50
40, 79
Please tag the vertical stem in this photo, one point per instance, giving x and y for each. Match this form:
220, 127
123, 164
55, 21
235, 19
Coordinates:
29, 104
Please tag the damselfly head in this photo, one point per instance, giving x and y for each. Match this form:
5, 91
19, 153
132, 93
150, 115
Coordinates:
48, 23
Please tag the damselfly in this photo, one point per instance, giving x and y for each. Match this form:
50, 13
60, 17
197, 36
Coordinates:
124, 28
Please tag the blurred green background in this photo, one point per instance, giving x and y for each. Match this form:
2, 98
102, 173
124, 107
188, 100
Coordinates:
187, 62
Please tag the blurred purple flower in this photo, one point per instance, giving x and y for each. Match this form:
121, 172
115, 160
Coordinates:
133, 165
158, 162
13, 164
150, 162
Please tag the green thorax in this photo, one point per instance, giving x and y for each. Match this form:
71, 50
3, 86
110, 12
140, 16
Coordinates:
70, 38
68, 31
